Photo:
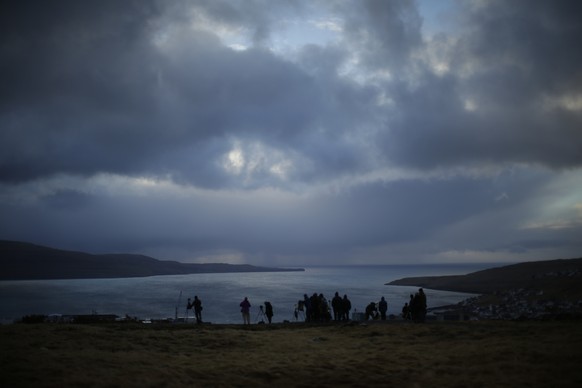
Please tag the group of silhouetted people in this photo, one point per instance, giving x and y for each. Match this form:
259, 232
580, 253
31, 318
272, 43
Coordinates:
415, 309
316, 308
377, 311
245, 309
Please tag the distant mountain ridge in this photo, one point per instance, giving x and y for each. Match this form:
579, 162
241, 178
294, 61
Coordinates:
25, 261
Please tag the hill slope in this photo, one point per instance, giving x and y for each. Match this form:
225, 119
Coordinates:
563, 277
20, 261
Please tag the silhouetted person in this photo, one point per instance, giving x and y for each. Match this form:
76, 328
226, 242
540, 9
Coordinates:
308, 308
346, 307
314, 307
245, 309
269, 311
418, 306
383, 307
336, 305
371, 311
421, 305
406, 311
413, 307
197, 304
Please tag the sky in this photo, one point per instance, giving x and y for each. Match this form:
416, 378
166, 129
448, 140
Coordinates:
294, 133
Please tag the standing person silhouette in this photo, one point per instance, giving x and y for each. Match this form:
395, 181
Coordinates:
245, 309
308, 308
422, 305
337, 306
197, 304
383, 307
269, 311
346, 307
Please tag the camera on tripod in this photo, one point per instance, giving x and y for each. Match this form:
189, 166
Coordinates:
265, 313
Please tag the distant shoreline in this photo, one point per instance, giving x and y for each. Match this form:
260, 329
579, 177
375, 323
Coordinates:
25, 261
532, 290
562, 276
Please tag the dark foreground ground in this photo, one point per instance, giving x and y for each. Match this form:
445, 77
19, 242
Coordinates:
396, 354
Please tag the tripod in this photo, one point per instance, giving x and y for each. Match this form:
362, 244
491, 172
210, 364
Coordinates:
188, 308
261, 315
298, 313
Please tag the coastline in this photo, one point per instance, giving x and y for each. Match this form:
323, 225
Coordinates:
532, 290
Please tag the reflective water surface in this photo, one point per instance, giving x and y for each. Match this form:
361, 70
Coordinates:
161, 297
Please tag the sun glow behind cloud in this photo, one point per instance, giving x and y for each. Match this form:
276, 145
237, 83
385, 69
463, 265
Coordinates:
253, 160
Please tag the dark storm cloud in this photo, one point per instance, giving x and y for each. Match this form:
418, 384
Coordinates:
89, 91
74, 75
255, 97
463, 214
68, 200
60, 57
173, 136
509, 62
511, 68
538, 37
386, 32
324, 226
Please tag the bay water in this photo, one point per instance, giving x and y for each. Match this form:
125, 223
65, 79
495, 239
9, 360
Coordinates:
161, 297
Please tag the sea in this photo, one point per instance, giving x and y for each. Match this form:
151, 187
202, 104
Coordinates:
165, 297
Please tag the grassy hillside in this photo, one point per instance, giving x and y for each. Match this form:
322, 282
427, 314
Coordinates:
460, 354
20, 261
558, 277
